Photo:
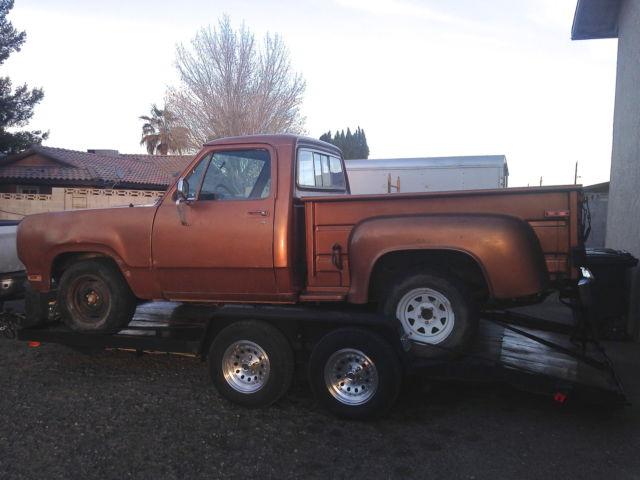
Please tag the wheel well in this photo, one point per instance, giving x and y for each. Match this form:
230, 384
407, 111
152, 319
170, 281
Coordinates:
459, 264
65, 260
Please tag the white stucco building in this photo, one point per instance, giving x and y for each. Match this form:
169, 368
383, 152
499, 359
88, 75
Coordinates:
621, 19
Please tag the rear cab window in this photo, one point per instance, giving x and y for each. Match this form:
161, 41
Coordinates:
319, 173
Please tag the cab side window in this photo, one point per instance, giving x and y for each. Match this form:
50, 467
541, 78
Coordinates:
194, 178
237, 175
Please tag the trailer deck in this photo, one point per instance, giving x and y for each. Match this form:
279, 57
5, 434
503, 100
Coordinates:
531, 354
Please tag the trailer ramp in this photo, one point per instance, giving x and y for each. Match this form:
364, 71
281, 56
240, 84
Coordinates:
535, 355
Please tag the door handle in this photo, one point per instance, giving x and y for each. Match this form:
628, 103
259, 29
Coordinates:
336, 256
262, 213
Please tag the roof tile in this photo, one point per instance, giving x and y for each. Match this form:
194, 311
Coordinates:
100, 169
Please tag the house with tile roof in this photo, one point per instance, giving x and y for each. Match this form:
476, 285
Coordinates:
44, 179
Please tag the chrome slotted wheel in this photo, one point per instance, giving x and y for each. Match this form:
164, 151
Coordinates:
245, 366
355, 372
351, 376
426, 315
251, 363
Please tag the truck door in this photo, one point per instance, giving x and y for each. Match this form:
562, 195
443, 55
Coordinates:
218, 245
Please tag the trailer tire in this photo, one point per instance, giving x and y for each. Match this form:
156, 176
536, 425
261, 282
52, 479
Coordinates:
251, 363
95, 298
435, 310
355, 373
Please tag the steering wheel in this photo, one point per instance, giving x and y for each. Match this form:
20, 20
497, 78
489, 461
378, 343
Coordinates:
223, 190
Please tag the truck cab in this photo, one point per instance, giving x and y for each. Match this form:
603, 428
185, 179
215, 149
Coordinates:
228, 231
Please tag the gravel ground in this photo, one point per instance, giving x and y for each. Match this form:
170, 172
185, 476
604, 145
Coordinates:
118, 415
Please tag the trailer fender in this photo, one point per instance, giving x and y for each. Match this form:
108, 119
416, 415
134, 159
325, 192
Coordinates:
505, 248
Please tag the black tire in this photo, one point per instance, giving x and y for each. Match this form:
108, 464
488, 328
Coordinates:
251, 363
448, 317
355, 373
94, 297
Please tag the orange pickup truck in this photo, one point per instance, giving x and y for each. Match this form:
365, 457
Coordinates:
270, 219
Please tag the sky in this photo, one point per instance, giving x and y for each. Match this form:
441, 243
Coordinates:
422, 77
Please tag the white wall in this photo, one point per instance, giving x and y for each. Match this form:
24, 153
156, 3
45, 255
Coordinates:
623, 219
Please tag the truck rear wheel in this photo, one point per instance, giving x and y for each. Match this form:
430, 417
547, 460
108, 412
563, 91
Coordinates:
436, 312
354, 373
251, 363
94, 297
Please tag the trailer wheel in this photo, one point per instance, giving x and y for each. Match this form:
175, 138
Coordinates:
355, 373
95, 298
251, 363
436, 312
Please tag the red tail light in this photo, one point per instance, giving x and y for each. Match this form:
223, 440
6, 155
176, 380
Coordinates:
556, 214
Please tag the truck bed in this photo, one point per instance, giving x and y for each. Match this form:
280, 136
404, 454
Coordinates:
552, 212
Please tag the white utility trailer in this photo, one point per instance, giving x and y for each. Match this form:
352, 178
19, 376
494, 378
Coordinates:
430, 174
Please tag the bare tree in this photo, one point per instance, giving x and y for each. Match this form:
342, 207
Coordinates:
230, 86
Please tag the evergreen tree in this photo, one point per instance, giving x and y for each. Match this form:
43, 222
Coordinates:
349, 145
353, 145
16, 106
326, 137
361, 143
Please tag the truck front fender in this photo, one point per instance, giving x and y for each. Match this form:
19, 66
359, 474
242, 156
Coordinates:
505, 248
122, 234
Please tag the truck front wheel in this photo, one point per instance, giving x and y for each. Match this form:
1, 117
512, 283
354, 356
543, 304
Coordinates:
354, 373
251, 363
437, 314
94, 297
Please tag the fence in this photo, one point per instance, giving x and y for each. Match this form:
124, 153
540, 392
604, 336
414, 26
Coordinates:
17, 205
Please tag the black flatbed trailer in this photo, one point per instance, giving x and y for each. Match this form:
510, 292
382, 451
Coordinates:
529, 353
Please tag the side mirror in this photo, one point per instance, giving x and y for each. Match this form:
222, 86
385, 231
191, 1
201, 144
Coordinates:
182, 191
182, 195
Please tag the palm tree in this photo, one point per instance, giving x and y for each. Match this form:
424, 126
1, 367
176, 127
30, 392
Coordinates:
160, 134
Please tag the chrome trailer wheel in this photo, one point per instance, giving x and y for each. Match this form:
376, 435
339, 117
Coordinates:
355, 373
245, 366
351, 377
251, 363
